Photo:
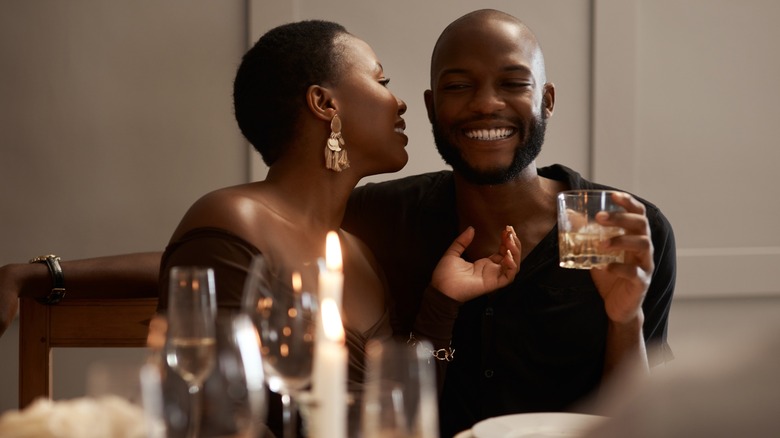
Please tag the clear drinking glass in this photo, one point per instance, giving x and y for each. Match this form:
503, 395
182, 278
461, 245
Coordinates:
282, 302
400, 391
579, 235
234, 396
191, 337
233, 400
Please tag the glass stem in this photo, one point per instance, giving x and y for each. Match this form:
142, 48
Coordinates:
193, 430
289, 416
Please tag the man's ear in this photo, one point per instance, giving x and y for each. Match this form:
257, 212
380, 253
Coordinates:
321, 102
548, 98
428, 96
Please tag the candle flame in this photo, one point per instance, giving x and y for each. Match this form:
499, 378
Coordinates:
297, 283
333, 252
331, 321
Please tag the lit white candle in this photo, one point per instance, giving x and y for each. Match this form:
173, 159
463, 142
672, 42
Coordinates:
329, 382
331, 279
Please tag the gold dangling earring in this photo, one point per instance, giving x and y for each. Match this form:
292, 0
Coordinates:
335, 154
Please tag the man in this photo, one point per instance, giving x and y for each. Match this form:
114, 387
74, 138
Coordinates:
549, 339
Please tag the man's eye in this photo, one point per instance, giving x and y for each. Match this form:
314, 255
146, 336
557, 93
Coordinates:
514, 84
384, 81
455, 86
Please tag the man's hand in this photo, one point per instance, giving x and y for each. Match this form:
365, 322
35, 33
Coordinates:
623, 285
462, 280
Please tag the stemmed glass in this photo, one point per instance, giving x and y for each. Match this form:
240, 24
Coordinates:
191, 338
400, 394
234, 403
283, 304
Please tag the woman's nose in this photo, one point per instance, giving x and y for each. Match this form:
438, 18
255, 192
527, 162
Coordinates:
401, 106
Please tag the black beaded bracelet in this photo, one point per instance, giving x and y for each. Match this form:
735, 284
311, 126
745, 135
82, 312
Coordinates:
57, 277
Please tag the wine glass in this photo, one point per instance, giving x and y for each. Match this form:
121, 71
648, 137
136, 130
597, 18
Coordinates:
234, 395
191, 337
233, 400
283, 304
400, 394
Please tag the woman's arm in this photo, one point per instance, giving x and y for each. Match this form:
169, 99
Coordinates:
455, 281
125, 276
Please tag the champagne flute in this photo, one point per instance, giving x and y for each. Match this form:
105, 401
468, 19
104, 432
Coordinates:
191, 338
283, 304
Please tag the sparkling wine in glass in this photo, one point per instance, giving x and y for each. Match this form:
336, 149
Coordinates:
191, 337
283, 303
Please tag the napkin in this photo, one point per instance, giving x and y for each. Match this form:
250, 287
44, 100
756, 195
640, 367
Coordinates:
103, 417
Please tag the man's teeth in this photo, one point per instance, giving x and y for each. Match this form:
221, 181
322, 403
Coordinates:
489, 134
399, 130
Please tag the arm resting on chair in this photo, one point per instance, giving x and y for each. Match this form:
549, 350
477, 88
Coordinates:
120, 276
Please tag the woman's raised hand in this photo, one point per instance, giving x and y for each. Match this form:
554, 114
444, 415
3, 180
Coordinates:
462, 280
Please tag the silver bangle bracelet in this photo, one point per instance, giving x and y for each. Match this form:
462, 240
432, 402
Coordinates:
446, 354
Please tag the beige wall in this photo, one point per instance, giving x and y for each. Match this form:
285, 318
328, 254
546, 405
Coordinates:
115, 116
684, 108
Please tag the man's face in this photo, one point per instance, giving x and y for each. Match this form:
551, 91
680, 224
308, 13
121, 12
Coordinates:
488, 104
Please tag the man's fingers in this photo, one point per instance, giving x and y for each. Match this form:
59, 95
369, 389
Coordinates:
630, 203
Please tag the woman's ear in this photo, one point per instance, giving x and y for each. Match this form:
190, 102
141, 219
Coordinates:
321, 102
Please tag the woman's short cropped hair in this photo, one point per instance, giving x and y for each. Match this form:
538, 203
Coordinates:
269, 90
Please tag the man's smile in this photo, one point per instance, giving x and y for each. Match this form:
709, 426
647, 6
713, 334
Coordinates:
489, 134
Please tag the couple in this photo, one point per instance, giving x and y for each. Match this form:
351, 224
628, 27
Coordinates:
466, 259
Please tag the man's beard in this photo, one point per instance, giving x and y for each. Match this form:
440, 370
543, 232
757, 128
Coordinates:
524, 155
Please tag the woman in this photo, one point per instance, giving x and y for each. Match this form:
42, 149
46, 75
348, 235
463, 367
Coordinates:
292, 91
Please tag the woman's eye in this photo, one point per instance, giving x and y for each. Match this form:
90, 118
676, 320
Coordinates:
384, 81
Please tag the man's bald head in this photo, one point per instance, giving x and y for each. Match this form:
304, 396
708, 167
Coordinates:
487, 24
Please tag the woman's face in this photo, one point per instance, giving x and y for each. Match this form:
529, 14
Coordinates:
373, 128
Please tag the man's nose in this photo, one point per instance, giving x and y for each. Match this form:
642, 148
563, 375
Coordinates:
486, 100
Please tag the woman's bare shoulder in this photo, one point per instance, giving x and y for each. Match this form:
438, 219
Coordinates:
236, 209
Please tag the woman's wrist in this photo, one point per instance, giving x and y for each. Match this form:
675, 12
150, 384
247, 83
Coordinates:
26, 280
52, 262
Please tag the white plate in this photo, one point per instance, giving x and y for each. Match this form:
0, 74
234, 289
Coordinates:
537, 425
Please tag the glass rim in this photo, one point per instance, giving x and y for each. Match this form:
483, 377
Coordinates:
576, 192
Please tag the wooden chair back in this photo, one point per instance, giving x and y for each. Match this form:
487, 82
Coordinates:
94, 322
